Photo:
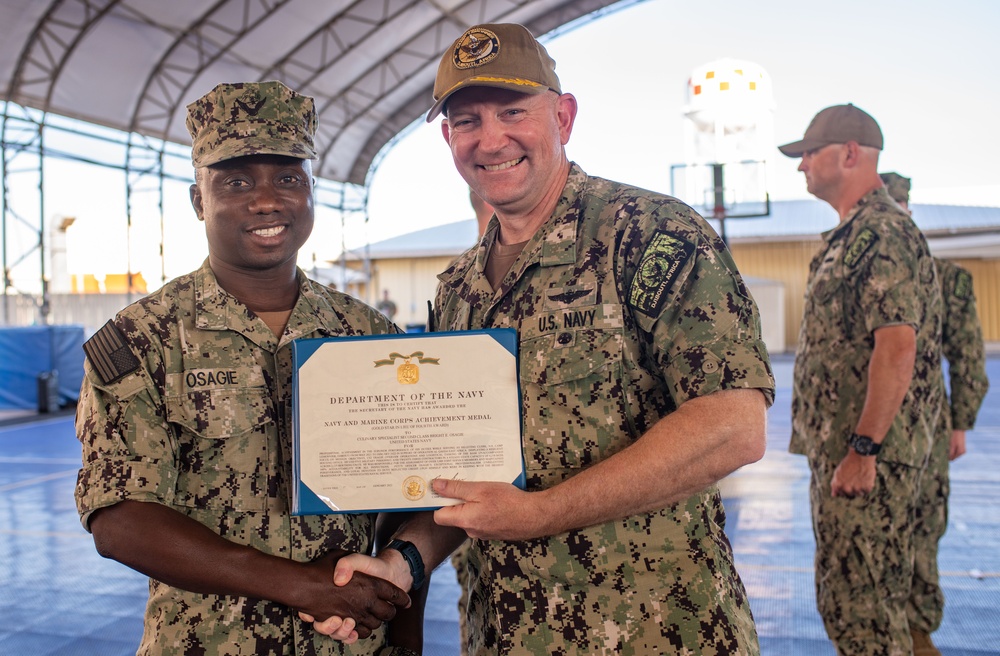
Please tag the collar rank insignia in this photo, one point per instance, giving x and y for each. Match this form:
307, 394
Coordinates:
110, 356
865, 239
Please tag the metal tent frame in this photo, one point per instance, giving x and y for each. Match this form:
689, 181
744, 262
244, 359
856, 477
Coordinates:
128, 68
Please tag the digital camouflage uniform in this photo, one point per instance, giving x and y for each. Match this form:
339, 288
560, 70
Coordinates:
626, 304
962, 346
873, 270
201, 424
897, 187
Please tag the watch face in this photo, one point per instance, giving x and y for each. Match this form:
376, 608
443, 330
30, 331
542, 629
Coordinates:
864, 445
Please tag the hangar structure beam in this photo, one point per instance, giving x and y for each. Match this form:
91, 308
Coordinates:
130, 67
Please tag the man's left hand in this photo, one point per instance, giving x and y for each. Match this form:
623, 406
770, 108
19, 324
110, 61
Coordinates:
492, 511
957, 446
854, 476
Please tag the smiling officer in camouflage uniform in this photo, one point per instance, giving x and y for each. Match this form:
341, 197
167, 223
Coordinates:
644, 381
866, 385
962, 346
185, 408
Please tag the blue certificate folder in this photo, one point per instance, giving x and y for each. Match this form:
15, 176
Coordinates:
376, 418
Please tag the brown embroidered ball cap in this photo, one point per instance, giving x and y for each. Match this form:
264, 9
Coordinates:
836, 125
897, 186
502, 55
251, 118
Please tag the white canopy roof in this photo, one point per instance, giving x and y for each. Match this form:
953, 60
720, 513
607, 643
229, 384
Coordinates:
134, 65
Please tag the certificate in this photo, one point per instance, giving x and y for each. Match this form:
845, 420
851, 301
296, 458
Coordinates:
377, 418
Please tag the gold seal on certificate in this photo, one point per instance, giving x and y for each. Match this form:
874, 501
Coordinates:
378, 418
414, 488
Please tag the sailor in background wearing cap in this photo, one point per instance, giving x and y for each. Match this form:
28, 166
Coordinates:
644, 381
962, 345
866, 385
184, 414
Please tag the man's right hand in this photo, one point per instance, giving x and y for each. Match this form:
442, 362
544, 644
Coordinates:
158, 541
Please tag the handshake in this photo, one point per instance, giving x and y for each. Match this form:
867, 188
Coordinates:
370, 591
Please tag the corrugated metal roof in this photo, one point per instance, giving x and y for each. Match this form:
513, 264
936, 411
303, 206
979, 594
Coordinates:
450, 239
803, 218
956, 218
789, 219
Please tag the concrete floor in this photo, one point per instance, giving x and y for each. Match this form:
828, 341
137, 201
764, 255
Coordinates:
57, 596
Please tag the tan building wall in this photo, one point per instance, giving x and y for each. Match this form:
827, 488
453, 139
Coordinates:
411, 283
784, 262
986, 281
788, 263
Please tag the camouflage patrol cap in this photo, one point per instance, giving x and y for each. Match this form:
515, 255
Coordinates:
251, 118
837, 125
501, 55
897, 186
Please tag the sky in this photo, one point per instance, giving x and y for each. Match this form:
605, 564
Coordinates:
925, 69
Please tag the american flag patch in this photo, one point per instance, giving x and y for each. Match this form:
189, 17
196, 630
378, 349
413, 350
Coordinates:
109, 354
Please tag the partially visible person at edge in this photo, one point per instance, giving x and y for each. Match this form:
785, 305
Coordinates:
866, 385
386, 306
185, 410
962, 345
644, 381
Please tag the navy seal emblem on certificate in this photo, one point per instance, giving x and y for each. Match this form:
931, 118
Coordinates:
377, 418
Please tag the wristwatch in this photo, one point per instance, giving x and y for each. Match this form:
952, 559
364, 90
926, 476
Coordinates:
864, 445
413, 558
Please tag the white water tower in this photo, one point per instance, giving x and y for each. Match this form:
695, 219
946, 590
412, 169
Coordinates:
728, 137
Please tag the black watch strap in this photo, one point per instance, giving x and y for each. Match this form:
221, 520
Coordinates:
864, 445
413, 558
395, 650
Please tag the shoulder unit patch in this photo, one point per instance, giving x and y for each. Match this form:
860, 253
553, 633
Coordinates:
865, 239
963, 285
108, 353
664, 257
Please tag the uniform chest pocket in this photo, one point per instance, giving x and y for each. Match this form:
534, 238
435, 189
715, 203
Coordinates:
224, 449
573, 404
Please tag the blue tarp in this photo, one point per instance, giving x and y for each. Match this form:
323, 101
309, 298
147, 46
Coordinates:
26, 352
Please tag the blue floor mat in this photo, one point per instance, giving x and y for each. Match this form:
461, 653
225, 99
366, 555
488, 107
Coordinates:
58, 597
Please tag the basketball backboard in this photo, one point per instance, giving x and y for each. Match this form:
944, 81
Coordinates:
723, 190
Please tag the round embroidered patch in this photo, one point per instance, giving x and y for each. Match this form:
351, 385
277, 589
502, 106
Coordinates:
478, 46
